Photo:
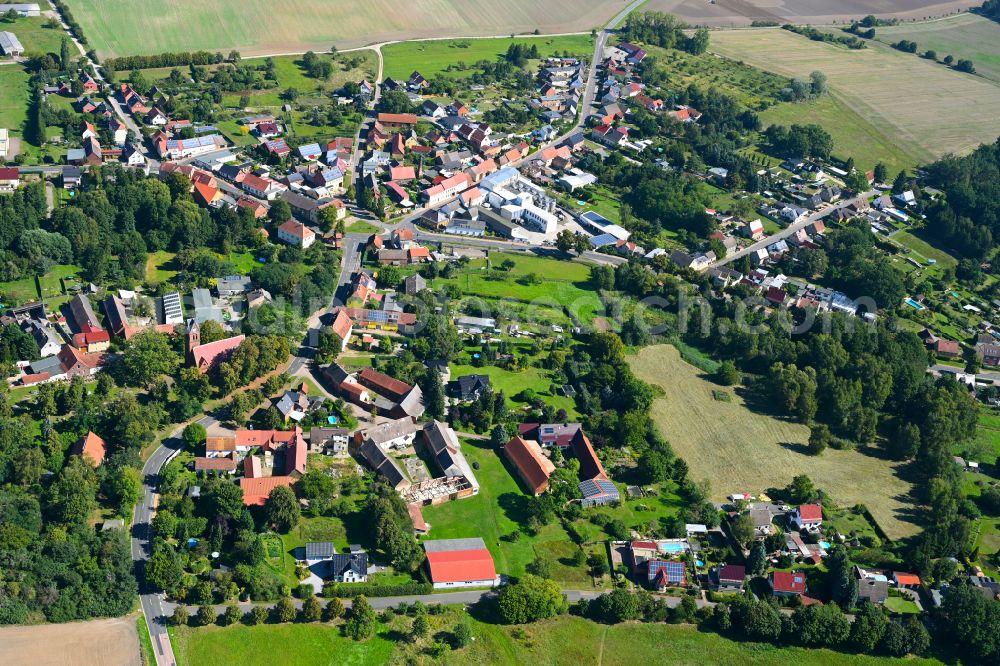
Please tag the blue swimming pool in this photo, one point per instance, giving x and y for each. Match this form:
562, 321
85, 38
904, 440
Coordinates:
672, 547
825, 544
913, 304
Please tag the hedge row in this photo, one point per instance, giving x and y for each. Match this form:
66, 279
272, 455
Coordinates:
351, 590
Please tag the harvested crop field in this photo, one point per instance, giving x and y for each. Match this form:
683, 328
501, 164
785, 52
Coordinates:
254, 27
738, 449
963, 36
741, 12
899, 93
110, 642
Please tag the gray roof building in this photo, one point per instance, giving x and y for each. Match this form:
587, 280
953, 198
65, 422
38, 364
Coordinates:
414, 284
10, 44
233, 285
449, 545
385, 465
443, 444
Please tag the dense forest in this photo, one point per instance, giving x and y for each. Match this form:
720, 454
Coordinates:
664, 30
968, 221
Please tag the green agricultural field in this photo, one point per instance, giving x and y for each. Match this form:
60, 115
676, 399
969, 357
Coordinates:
496, 512
962, 36
853, 135
437, 56
562, 641
897, 93
255, 27
738, 449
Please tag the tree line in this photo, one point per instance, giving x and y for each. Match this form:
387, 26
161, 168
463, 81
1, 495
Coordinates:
180, 58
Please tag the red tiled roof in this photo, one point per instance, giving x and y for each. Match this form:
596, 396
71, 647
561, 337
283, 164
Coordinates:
92, 447
251, 467
255, 491
296, 229
419, 252
732, 572
459, 566
788, 581
534, 467
398, 118
342, 325
224, 463
947, 347
590, 464
69, 356
906, 579
402, 173
207, 355
91, 337
810, 512
383, 383
206, 193
268, 439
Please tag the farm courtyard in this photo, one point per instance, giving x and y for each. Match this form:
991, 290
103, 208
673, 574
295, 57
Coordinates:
741, 450
130, 27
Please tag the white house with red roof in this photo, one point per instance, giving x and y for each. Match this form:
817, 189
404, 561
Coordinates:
295, 233
460, 563
807, 517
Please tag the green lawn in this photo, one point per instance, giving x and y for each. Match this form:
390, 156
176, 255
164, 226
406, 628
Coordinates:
925, 249
36, 38
25, 289
434, 57
901, 605
266, 645
513, 382
853, 135
566, 640
14, 97
641, 514
160, 267
562, 283
361, 227
496, 512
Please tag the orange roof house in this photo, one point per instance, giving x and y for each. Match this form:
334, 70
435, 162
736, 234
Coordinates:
531, 464
342, 326
205, 194
205, 357
92, 447
256, 491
